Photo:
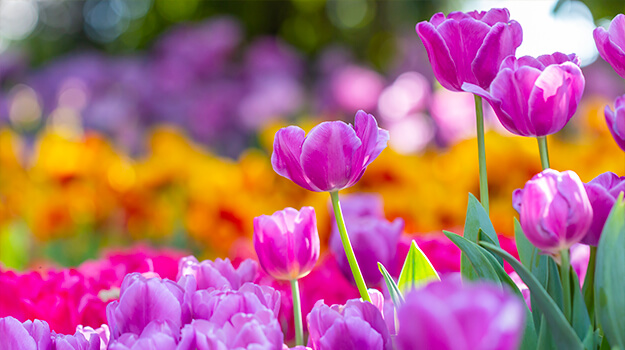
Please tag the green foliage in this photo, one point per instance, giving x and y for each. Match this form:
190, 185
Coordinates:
417, 270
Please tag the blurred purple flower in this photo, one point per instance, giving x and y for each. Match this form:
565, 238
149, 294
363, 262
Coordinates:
287, 242
616, 121
218, 274
333, 156
271, 56
602, 192
535, 96
24, 336
469, 47
355, 88
157, 335
355, 325
450, 315
555, 210
611, 43
409, 93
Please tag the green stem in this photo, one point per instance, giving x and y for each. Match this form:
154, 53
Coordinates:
589, 284
566, 283
347, 246
481, 152
297, 313
544, 151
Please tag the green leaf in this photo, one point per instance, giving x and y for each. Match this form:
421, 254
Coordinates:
523, 245
417, 270
580, 319
478, 261
545, 340
476, 219
609, 272
396, 295
563, 334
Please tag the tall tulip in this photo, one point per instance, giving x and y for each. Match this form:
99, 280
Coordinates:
535, 96
287, 245
611, 43
333, 156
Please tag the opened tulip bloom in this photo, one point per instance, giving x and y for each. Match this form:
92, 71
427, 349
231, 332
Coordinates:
616, 121
333, 156
611, 43
287, 242
534, 96
469, 47
602, 192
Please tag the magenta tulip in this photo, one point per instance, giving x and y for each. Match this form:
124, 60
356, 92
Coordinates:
333, 156
469, 47
611, 43
287, 242
602, 193
616, 121
534, 96
448, 315
555, 210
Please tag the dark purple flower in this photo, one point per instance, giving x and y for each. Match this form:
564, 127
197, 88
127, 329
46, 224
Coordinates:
534, 96
469, 47
611, 43
218, 274
602, 193
333, 156
448, 315
355, 325
616, 121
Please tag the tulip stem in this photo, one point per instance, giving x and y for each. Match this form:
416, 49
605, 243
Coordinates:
481, 152
589, 284
297, 313
347, 246
544, 151
566, 283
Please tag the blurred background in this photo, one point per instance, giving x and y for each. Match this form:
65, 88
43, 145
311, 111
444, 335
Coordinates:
125, 121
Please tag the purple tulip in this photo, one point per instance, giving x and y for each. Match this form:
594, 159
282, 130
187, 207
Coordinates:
217, 274
75, 342
449, 315
219, 306
142, 301
332, 157
534, 96
157, 335
355, 325
469, 47
373, 240
555, 210
602, 193
611, 43
616, 121
16, 335
287, 242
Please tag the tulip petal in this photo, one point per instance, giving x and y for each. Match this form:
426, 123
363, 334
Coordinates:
328, 153
285, 159
609, 51
439, 55
501, 41
616, 31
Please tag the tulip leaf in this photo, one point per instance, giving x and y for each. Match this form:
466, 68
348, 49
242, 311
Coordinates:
609, 272
393, 290
417, 270
477, 260
476, 219
580, 319
523, 245
563, 334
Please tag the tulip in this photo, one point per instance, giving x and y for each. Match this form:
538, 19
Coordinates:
157, 335
355, 325
534, 96
602, 192
616, 121
435, 317
287, 242
611, 44
219, 273
287, 245
555, 210
333, 156
469, 47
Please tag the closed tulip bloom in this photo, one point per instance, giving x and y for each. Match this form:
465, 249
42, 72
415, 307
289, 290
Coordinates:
333, 156
217, 274
555, 210
602, 193
469, 47
611, 43
535, 96
448, 315
287, 242
616, 121
16, 335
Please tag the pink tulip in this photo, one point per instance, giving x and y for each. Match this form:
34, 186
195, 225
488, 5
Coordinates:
611, 43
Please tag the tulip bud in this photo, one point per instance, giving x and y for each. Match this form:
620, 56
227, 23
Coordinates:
611, 43
616, 121
287, 242
555, 210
